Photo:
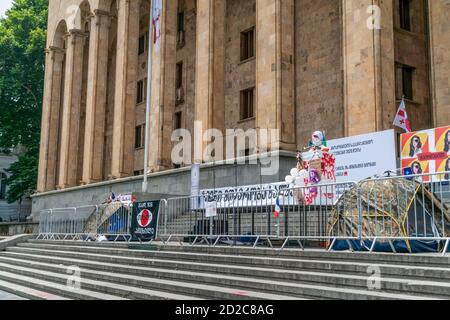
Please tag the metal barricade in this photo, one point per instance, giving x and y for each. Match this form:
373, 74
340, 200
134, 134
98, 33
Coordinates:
86, 223
406, 209
382, 210
249, 216
64, 223
115, 226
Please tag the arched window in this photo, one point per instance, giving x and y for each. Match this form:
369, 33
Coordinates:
2, 186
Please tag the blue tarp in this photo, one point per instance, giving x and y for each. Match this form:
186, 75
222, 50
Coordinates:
116, 224
399, 245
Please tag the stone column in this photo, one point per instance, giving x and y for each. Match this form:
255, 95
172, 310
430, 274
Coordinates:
275, 80
96, 98
50, 119
70, 123
369, 65
122, 164
439, 27
163, 91
210, 59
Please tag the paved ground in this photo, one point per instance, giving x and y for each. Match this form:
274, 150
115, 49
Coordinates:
8, 296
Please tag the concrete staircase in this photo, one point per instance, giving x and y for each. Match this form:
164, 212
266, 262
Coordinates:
39, 270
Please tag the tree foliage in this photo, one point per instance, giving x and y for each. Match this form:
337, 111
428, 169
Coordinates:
22, 59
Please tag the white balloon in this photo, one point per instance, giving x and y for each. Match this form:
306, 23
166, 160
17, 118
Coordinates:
303, 174
294, 172
300, 182
289, 179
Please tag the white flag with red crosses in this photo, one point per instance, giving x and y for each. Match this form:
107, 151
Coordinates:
401, 119
156, 22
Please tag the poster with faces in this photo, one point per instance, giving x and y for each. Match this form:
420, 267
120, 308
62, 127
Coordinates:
426, 152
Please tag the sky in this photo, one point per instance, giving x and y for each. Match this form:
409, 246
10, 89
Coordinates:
4, 5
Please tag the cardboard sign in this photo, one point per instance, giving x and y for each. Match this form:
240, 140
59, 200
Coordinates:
211, 209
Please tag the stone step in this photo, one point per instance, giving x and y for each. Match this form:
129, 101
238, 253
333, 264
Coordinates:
432, 259
137, 283
28, 293
111, 291
254, 278
136, 257
10, 276
379, 258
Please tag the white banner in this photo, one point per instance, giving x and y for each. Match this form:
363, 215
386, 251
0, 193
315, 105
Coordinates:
262, 195
361, 157
357, 158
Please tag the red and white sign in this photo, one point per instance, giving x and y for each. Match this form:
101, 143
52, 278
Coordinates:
144, 218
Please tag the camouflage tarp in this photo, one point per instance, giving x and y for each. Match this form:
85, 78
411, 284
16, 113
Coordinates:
390, 208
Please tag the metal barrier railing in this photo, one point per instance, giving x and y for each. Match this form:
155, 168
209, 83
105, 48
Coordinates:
86, 223
408, 209
378, 211
249, 216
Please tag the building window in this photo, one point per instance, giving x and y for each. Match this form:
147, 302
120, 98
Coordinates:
141, 91
178, 121
179, 83
405, 14
140, 137
247, 103
180, 29
181, 21
2, 186
179, 75
247, 44
405, 82
142, 44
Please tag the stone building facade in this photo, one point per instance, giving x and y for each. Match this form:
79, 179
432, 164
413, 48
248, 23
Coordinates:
292, 65
16, 211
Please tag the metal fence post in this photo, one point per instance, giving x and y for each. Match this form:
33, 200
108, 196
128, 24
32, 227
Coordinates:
360, 213
165, 212
51, 222
97, 219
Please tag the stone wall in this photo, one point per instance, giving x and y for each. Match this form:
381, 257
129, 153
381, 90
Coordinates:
240, 16
186, 54
439, 25
172, 183
411, 49
14, 229
319, 80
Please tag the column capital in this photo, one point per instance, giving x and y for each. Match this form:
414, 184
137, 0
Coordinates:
76, 33
53, 49
55, 53
103, 13
101, 17
76, 36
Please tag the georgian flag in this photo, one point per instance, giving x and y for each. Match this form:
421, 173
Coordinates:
401, 119
156, 23
277, 208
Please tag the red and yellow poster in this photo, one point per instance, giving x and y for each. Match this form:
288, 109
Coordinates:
443, 166
426, 152
443, 140
414, 144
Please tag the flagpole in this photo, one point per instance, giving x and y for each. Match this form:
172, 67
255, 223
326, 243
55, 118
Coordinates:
149, 99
